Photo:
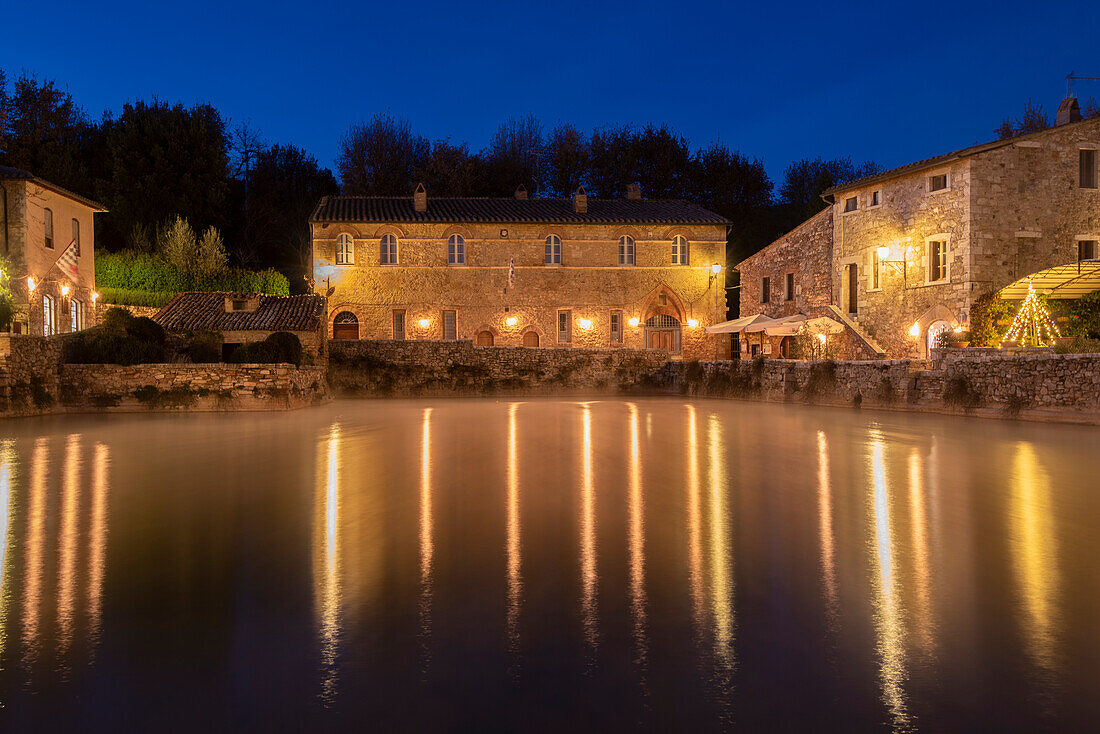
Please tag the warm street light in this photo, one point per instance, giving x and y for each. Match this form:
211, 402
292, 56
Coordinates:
883, 253
511, 321
633, 321
692, 323
716, 268
424, 323
30, 283
65, 289
914, 330
95, 296
585, 323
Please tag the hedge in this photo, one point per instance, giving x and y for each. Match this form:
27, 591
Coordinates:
124, 297
143, 272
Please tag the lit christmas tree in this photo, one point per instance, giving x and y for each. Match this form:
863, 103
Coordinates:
1033, 325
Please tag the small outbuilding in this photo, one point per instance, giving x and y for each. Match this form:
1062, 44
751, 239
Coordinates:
241, 318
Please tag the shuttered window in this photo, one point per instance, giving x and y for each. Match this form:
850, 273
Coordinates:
450, 326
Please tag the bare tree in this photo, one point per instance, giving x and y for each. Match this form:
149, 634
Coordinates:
380, 157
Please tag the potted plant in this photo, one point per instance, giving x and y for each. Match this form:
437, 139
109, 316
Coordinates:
958, 339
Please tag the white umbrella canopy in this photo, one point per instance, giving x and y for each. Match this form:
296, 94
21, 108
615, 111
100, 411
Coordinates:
737, 325
793, 324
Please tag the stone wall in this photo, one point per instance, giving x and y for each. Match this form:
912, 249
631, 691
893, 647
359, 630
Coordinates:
588, 284
806, 252
192, 386
29, 373
146, 311
385, 367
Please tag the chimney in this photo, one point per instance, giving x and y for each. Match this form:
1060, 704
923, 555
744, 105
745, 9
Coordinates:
521, 192
1068, 111
634, 192
580, 201
420, 198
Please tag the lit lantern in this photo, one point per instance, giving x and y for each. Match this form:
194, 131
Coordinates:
511, 321
424, 323
584, 323
30, 283
95, 296
716, 268
883, 253
692, 323
634, 321
914, 330
821, 338
65, 289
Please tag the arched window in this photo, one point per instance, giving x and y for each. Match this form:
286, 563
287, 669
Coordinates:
48, 221
484, 339
679, 250
76, 238
626, 250
388, 250
553, 250
345, 326
345, 250
456, 250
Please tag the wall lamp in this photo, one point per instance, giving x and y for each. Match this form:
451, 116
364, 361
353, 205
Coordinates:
899, 265
634, 321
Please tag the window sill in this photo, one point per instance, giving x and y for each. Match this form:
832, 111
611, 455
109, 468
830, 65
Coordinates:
939, 191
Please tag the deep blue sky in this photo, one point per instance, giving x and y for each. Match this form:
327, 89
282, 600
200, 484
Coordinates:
890, 82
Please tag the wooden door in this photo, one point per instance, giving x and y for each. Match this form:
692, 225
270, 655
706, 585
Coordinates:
531, 339
484, 339
853, 288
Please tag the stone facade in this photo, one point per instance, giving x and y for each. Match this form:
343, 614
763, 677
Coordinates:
588, 286
23, 242
419, 367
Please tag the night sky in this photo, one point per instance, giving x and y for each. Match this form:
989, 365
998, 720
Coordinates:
874, 80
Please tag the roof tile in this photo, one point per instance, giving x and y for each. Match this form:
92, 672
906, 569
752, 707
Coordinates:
191, 311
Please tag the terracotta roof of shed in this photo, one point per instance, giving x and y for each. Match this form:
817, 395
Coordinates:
512, 211
18, 174
192, 311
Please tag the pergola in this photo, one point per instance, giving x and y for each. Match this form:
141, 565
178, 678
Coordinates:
1072, 280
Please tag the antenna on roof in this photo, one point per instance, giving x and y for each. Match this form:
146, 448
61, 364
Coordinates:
1073, 75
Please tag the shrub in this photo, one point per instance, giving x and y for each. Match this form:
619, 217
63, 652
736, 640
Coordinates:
1078, 346
120, 274
204, 346
987, 310
145, 329
120, 338
116, 320
127, 297
289, 344
264, 352
960, 393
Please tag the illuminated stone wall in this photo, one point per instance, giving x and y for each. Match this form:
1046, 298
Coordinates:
805, 251
589, 282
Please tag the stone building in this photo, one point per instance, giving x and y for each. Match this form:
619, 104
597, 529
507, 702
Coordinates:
914, 247
241, 318
54, 287
578, 272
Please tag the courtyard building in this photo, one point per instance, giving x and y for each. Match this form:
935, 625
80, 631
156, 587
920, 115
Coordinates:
911, 250
581, 272
47, 238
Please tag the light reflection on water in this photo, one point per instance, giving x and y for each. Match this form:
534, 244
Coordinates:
693, 565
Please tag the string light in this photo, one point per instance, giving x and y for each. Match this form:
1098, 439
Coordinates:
1033, 325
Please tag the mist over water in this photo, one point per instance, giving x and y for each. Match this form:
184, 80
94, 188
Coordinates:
549, 564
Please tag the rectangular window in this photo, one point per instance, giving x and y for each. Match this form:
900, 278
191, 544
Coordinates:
345, 250
937, 183
679, 250
450, 326
1088, 169
851, 204
399, 325
626, 251
76, 315
553, 250
48, 221
937, 260
616, 327
565, 327
876, 198
876, 270
387, 254
76, 237
765, 290
49, 315
789, 295
1086, 250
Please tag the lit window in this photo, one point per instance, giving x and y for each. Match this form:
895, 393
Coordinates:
789, 295
388, 250
76, 315
565, 327
1088, 169
851, 204
1086, 250
937, 183
456, 250
553, 250
48, 220
937, 260
626, 250
76, 237
616, 327
345, 250
679, 250
765, 290
49, 315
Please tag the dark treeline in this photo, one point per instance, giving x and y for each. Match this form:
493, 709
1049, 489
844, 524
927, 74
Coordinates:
152, 161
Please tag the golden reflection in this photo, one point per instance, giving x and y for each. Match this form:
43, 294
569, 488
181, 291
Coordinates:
825, 528
887, 605
918, 518
426, 547
695, 520
1035, 555
97, 556
514, 549
637, 542
36, 512
721, 560
588, 534
328, 563
7, 489
70, 508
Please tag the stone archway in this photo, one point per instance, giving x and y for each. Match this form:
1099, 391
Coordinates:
345, 326
483, 338
531, 338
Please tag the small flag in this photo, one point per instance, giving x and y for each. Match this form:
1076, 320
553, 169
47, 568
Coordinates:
512, 273
67, 261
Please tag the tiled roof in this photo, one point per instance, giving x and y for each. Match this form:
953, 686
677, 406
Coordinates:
946, 158
18, 174
511, 211
192, 311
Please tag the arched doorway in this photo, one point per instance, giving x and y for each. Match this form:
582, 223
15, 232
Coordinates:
786, 347
531, 339
484, 339
934, 330
345, 326
663, 332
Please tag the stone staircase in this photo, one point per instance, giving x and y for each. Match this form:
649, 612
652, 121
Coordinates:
858, 331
